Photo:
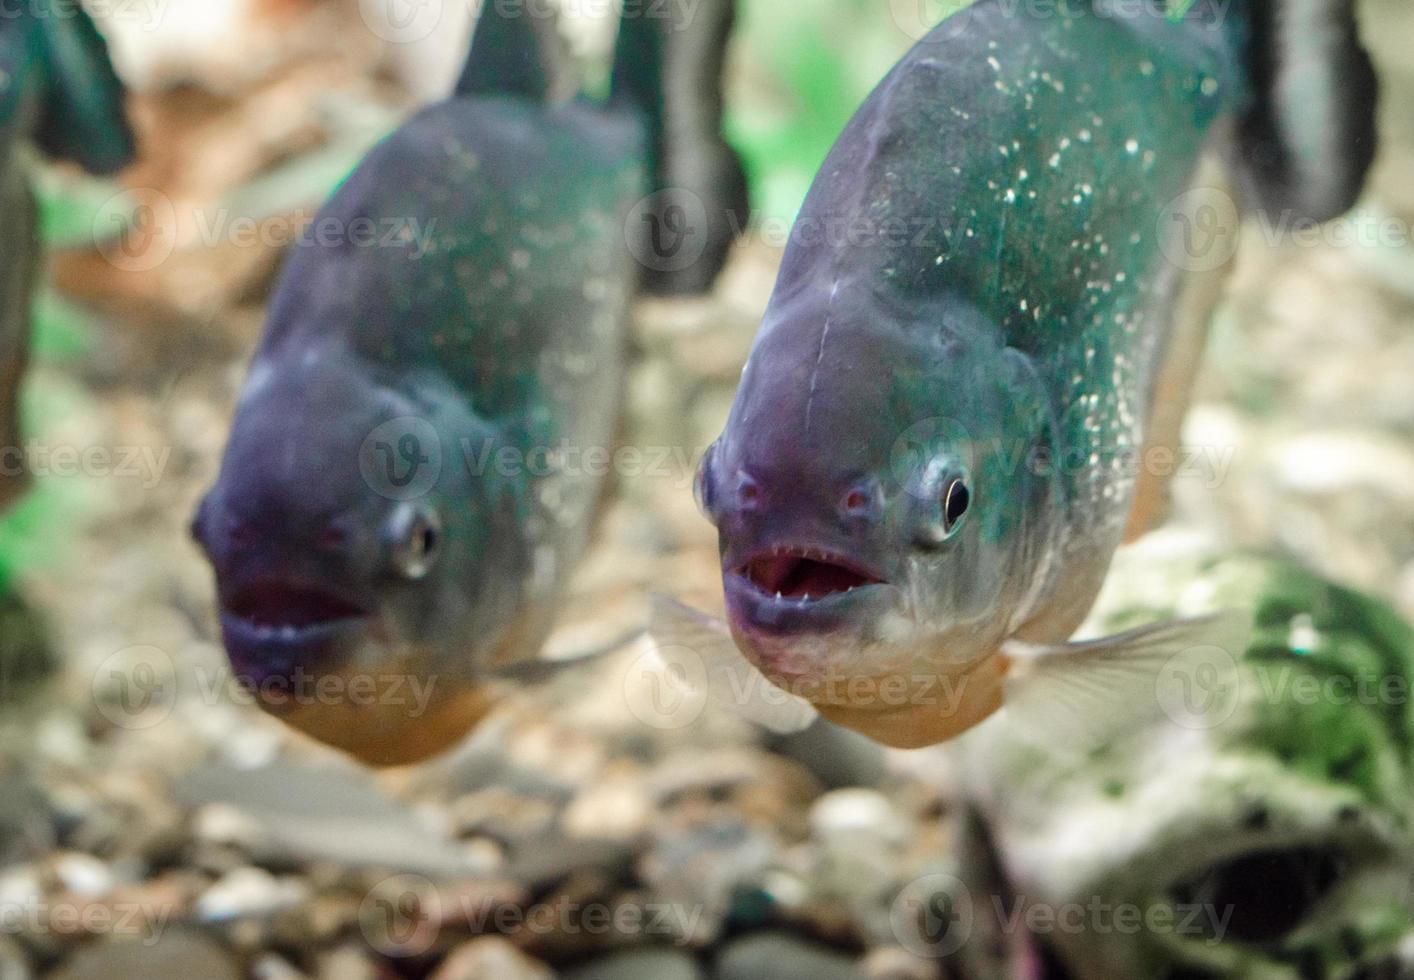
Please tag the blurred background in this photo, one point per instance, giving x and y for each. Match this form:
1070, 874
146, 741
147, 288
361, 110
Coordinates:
154, 824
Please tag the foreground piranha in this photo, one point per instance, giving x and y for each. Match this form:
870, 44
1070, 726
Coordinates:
986, 321
397, 514
58, 89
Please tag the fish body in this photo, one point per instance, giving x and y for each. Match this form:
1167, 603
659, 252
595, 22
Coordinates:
59, 92
405, 491
940, 433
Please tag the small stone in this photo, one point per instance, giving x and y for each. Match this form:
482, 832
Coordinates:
892, 963
13, 964
84, 876
781, 956
491, 958
639, 964
176, 953
348, 962
248, 892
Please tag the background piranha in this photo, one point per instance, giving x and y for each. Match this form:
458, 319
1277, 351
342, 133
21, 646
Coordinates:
987, 318
395, 518
58, 89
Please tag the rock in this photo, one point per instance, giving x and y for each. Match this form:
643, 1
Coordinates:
348, 962
26, 656
272, 967
26, 823
306, 814
838, 757
176, 953
639, 964
84, 876
892, 963
781, 956
13, 963
618, 808
491, 958
706, 867
541, 864
249, 892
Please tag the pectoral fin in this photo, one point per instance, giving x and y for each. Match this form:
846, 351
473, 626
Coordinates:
1086, 694
701, 647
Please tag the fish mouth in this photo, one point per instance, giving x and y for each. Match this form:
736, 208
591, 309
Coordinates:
805, 575
275, 631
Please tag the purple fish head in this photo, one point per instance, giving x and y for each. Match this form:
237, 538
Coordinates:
877, 491
350, 549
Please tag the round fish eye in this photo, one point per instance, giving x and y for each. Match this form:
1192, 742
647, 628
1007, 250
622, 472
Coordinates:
414, 540
956, 499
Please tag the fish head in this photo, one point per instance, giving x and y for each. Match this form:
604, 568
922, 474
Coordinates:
877, 494
351, 557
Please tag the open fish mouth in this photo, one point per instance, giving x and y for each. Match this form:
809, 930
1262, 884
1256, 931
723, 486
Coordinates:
276, 610
278, 633
806, 574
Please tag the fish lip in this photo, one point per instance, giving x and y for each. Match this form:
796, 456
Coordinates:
323, 631
754, 613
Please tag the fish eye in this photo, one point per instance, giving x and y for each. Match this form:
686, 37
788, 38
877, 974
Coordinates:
956, 499
414, 539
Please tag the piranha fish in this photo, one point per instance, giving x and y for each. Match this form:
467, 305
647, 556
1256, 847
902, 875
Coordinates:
58, 90
987, 318
398, 508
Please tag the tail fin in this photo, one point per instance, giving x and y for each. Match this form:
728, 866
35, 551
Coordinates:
1309, 139
515, 51
668, 65
82, 117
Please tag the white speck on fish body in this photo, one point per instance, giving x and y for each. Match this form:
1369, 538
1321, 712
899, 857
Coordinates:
1131, 146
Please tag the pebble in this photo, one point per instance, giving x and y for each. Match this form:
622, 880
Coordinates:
491, 958
13, 963
177, 953
639, 964
248, 893
781, 956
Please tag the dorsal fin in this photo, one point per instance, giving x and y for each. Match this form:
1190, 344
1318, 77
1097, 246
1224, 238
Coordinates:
668, 68
515, 51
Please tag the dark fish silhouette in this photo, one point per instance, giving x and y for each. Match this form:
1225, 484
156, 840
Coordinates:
57, 90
